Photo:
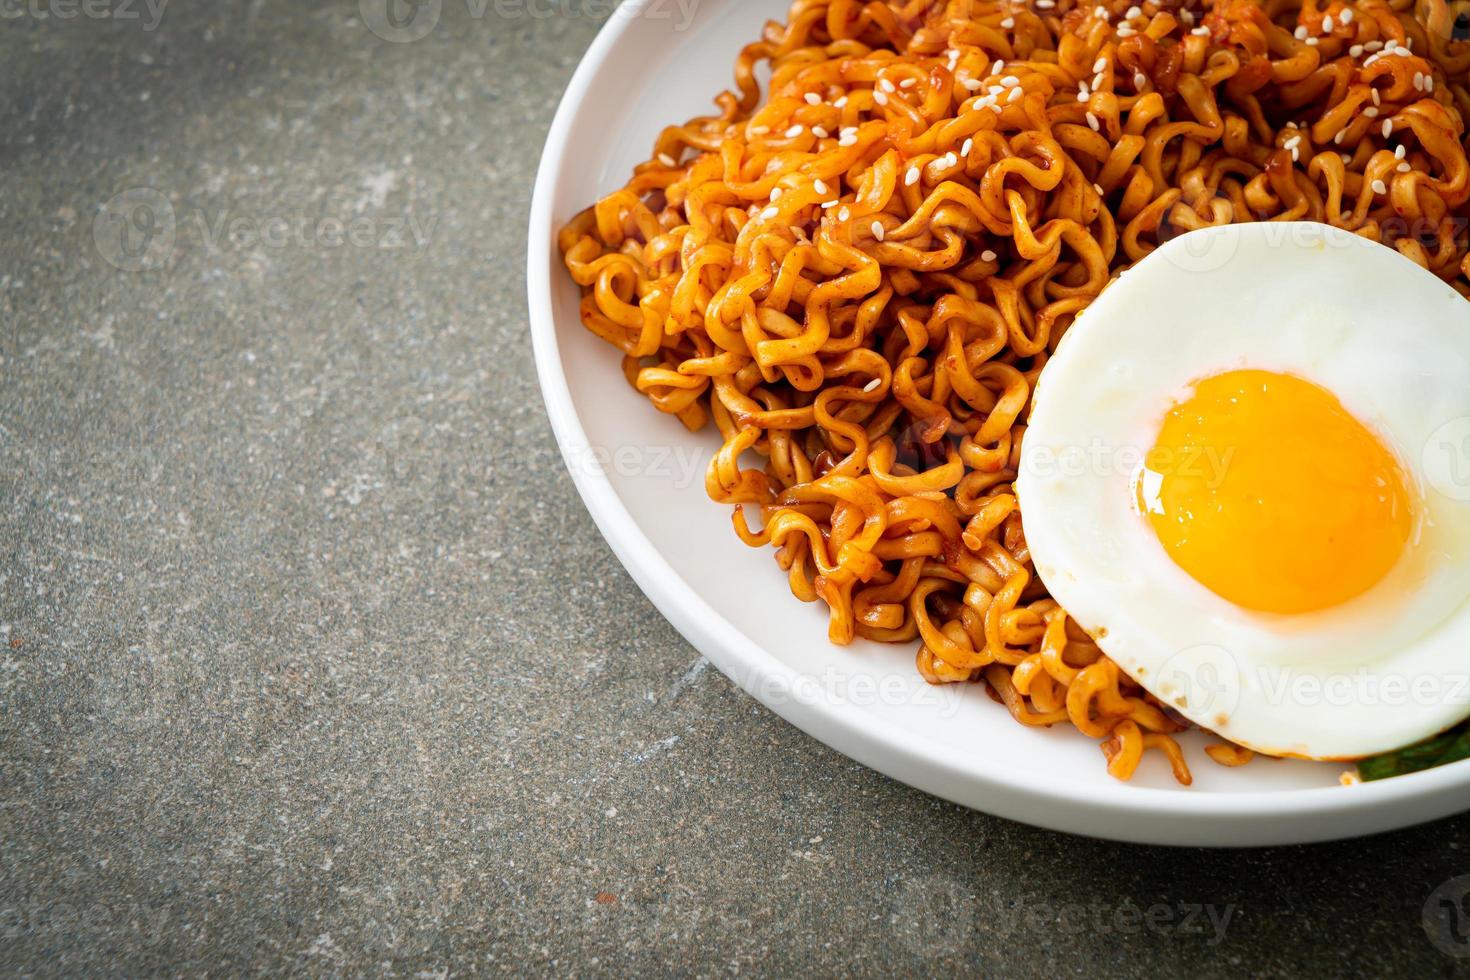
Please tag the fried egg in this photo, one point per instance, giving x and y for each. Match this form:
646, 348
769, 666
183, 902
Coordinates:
1246, 474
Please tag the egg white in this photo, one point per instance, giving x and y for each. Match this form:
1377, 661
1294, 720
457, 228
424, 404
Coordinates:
1386, 337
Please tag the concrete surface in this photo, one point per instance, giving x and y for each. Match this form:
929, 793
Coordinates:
313, 661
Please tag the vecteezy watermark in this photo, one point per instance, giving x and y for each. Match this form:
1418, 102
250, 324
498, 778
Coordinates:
936, 916
1126, 918
832, 686
1207, 680
139, 230
150, 12
1446, 917
680, 466
57, 921
406, 21
1104, 459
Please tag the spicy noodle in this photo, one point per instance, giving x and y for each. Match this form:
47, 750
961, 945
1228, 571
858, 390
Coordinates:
858, 279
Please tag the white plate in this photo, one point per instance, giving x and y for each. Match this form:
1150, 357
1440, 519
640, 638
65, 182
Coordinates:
643, 482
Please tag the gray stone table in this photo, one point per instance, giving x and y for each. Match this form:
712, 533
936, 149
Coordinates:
312, 660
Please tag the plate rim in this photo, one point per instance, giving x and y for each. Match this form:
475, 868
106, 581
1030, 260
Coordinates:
1123, 812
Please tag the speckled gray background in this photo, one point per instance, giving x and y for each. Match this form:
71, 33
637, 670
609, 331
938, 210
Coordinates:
314, 662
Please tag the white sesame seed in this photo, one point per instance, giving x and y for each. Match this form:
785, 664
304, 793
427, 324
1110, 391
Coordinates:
770, 213
1097, 82
797, 231
908, 83
996, 91
1327, 25
1295, 155
1099, 65
1201, 31
1008, 23
877, 229
1418, 81
813, 98
841, 103
988, 256
844, 214
1010, 81
972, 84
1186, 17
1372, 45
1139, 79
1398, 151
1429, 83
1356, 51
876, 383
1346, 157
1100, 191
1379, 187
1125, 31
820, 186
1403, 168
1045, 4
951, 159
848, 140
1390, 44
986, 102
820, 132
997, 68
829, 205
1377, 97
1300, 33
776, 193
911, 178
1341, 135
794, 132
886, 85
1082, 96
1288, 144
759, 130
1082, 89
1387, 132
965, 150
1371, 111
1311, 42
1015, 95
1346, 17
666, 160
880, 98
1133, 12
1092, 121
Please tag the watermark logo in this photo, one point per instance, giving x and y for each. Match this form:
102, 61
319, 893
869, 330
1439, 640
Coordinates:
1446, 917
1202, 680
135, 230
1206, 250
401, 21
1446, 459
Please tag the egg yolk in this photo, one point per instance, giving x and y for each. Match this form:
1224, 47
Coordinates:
1266, 490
